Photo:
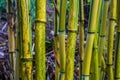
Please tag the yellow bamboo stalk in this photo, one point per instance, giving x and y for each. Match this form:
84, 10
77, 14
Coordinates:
62, 39
40, 24
71, 44
90, 40
26, 56
56, 39
103, 28
110, 40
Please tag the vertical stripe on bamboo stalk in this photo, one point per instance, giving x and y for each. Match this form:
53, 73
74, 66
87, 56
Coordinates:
117, 54
26, 56
40, 25
102, 33
56, 39
62, 39
90, 40
81, 34
71, 44
111, 39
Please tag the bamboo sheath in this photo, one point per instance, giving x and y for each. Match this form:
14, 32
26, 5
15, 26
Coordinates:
40, 23
71, 44
56, 39
90, 40
61, 36
117, 54
111, 39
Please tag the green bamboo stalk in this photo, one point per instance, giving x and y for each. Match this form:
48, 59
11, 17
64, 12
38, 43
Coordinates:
110, 40
72, 33
62, 39
81, 34
40, 24
18, 43
11, 38
117, 54
26, 56
90, 40
103, 28
56, 39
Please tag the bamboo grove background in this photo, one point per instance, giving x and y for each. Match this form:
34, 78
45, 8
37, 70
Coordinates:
96, 44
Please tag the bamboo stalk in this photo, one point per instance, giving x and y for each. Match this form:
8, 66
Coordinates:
19, 43
103, 28
95, 45
26, 56
40, 24
11, 38
110, 40
95, 57
62, 39
117, 54
81, 34
56, 39
71, 44
90, 40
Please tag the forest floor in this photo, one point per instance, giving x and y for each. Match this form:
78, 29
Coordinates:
50, 67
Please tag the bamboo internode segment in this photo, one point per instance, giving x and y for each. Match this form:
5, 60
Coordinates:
40, 25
